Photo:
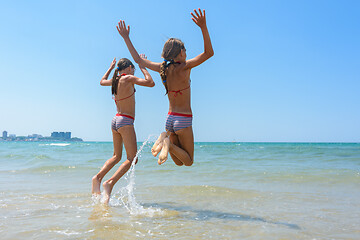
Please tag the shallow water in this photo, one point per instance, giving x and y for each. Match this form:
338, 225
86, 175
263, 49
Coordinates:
233, 191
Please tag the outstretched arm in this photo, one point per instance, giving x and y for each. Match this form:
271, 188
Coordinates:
124, 32
104, 80
200, 20
148, 81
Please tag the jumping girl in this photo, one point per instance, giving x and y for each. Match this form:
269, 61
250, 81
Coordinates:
122, 88
175, 74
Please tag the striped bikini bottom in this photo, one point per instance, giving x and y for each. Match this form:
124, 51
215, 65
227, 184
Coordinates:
121, 120
178, 121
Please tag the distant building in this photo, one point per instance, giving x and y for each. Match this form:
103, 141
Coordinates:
55, 135
34, 137
61, 135
67, 135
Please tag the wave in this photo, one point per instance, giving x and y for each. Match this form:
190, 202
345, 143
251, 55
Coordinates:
41, 157
13, 156
52, 168
55, 144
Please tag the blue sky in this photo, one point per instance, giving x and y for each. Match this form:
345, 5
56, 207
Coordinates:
282, 70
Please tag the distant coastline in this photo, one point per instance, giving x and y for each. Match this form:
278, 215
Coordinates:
55, 137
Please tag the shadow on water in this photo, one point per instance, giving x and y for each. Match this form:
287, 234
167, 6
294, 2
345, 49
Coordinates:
206, 215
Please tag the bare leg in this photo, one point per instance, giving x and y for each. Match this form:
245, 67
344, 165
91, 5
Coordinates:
129, 138
175, 140
164, 151
109, 164
186, 153
158, 144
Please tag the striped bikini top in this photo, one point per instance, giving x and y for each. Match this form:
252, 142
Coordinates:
123, 74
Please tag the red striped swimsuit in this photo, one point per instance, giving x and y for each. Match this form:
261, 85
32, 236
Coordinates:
177, 121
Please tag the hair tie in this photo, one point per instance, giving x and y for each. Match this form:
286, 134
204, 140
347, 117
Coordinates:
164, 81
171, 61
118, 68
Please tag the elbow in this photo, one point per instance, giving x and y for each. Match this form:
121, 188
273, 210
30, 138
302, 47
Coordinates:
151, 84
103, 82
210, 53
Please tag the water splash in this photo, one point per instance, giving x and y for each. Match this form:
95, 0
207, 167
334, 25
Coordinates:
127, 197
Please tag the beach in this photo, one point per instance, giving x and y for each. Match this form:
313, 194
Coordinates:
232, 191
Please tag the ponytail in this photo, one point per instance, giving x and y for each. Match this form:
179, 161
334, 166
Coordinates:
163, 69
115, 81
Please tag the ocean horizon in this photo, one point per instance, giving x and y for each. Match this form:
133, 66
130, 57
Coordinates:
234, 190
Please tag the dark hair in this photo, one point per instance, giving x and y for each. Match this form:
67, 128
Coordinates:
121, 65
171, 50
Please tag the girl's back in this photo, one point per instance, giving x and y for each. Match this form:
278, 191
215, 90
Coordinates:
179, 91
125, 96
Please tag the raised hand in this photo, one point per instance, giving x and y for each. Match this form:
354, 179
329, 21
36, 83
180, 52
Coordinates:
123, 31
113, 63
143, 57
199, 18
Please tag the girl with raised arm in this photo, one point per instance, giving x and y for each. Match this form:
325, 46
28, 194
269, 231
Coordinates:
122, 88
175, 74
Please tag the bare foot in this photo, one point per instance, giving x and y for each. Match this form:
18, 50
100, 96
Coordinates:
95, 187
107, 191
157, 149
158, 144
96, 198
164, 151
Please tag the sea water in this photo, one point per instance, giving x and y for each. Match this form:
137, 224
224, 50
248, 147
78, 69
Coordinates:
232, 191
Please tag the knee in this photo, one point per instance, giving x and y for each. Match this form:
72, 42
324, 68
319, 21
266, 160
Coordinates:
116, 158
190, 163
178, 163
131, 159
